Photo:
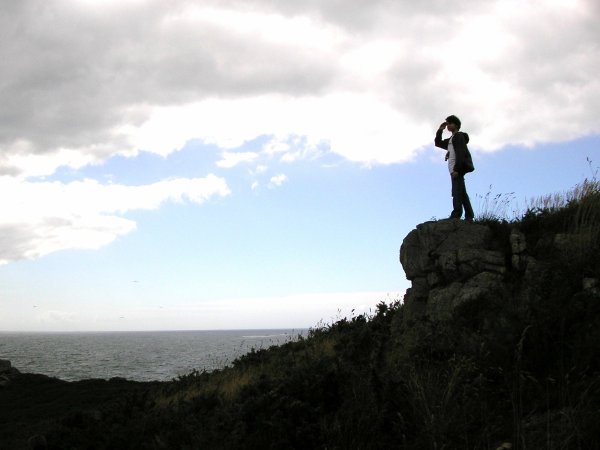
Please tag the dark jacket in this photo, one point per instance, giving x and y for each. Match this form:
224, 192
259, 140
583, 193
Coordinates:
464, 162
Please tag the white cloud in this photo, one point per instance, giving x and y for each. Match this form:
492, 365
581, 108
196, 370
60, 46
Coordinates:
259, 169
17, 160
43, 217
232, 159
277, 180
276, 145
358, 127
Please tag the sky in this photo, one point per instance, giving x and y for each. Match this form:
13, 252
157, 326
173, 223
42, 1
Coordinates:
252, 164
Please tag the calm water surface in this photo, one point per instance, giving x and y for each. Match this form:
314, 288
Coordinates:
140, 356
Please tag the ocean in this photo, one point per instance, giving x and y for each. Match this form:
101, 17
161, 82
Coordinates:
139, 356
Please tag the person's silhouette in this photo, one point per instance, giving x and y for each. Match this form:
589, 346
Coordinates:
459, 163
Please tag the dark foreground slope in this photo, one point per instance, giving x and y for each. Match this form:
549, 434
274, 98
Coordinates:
31, 405
497, 343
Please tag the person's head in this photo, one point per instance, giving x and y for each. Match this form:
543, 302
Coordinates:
453, 123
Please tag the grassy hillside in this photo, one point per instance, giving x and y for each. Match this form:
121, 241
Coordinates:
520, 370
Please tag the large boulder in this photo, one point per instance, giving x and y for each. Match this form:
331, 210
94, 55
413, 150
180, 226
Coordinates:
450, 262
423, 246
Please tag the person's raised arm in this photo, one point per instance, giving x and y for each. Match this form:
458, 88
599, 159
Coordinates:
439, 142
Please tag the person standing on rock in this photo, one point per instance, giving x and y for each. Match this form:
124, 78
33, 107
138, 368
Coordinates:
459, 163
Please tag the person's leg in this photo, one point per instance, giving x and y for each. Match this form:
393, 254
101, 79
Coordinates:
457, 198
469, 215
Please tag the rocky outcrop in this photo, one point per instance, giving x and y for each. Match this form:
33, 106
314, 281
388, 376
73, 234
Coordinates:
7, 372
451, 262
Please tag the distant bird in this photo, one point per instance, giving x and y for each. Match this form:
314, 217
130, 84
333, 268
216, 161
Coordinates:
35, 306
135, 281
122, 317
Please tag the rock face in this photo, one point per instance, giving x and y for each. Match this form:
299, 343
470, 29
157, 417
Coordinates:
450, 262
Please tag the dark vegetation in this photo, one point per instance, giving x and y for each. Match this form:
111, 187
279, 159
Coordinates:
522, 370
31, 403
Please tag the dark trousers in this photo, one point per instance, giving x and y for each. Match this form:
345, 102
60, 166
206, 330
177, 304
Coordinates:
460, 199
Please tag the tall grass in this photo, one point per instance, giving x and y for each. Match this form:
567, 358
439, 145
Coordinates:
581, 192
495, 207
584, 197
